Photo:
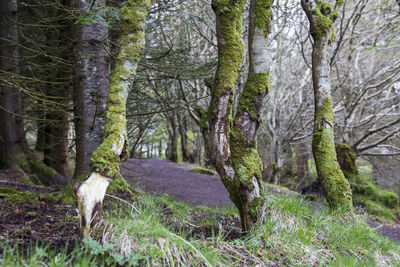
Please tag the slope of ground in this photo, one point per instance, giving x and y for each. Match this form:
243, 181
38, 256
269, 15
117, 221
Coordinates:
181, 183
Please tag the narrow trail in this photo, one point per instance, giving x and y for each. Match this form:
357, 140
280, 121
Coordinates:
176, 180
162, 176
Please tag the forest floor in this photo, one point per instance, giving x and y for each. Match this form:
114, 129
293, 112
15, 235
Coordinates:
183, 184
47, 221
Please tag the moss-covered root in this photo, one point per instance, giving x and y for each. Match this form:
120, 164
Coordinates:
106, 159
36, 172
335, 185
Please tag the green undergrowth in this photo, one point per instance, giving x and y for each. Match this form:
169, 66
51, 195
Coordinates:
200, 170
382, 204
158, 231
11, 195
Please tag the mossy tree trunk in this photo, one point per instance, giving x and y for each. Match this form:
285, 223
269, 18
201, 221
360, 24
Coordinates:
233, 143
322, 15
106, 159
91, 82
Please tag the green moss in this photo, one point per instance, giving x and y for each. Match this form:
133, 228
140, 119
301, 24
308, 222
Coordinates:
347, 161
230, 52
39, 173
262, 17
17, 196
256, 84
203, 118
377, 209
202, 171
335, 185
119, 186
105, 159
339, 3
377, 201
326, 16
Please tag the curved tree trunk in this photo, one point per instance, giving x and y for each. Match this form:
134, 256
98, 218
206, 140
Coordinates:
106, 159
322, 15
90, 83
233, 140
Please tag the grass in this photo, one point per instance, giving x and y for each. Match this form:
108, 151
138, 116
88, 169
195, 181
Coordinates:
158, 231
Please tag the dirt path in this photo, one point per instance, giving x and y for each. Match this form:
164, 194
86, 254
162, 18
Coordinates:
162, 176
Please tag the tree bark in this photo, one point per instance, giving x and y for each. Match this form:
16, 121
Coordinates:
321, 16
91, 82
106, 159
233, 141
301, 164
14, 150
184, 138
172, 146
12, 133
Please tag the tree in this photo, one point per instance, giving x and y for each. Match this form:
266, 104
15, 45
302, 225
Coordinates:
233, 140
14, 150
106, 159
12, 132
90, 79
322, 15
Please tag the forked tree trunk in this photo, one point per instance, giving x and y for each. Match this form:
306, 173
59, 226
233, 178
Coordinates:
90, 83
233, 140
322, 15
106, 159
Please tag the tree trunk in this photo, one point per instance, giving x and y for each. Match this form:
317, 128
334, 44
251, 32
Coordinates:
106, 159
90, 82
336, 188
302, 164
184, 138
12, 133
195, 156
172, 146
39, 146
234, 150
14, 150
56, 142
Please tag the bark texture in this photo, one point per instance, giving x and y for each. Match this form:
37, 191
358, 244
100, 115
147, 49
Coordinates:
322, 15
14, 150
233, 144
106, 159
91, 82
12, 133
